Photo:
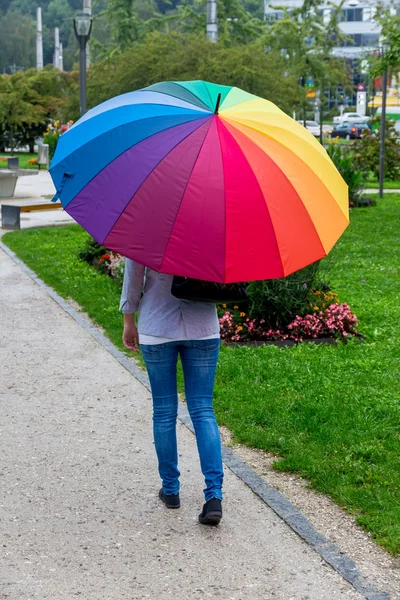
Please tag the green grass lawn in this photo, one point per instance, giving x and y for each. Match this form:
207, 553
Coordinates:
23, 159
330, 413
387, 185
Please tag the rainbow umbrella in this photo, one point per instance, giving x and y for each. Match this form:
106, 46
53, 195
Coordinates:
201, 180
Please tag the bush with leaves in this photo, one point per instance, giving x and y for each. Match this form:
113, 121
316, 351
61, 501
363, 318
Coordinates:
344, 161
176, 57
92, 251
366, 151
278, 301
53, 134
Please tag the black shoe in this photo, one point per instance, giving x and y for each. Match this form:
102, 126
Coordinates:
211, 513
171, 501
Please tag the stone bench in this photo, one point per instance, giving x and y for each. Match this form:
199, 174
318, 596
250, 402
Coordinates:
11, 213
9, 178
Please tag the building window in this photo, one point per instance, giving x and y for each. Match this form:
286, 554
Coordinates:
352, 14
370, 39
274, 15
362, 39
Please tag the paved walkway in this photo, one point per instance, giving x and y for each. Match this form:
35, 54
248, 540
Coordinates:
79, 510
376, 191
79, 513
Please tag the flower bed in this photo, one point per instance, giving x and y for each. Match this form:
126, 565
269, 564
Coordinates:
336, 321
327, 319
113, 264
53, 133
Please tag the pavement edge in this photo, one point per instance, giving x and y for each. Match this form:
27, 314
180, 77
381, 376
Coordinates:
285, 510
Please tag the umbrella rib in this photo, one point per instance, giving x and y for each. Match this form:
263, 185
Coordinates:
178, 84
297, 194
246, 124
123, 151
225, 229
208, 92
259, 187
88, 116
74, 128
146, 178
292, 186
183, 195
249, 123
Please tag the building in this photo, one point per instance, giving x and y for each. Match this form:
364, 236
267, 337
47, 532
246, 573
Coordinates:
357, 23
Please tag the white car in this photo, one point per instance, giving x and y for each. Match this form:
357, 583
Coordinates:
311, 126
352, 117
314, 128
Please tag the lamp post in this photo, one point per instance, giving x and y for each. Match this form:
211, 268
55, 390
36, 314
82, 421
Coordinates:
383, 123
83, 28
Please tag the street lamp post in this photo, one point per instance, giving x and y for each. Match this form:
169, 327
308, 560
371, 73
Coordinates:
383, 126
83, 28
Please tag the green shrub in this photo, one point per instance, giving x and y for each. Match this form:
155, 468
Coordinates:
51, 138
279, 301
92, 251
343, 160
366, 151
276, 301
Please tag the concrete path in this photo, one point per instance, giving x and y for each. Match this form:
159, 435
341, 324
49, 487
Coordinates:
376, 191
79, 513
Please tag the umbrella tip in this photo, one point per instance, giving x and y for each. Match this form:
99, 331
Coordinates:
217, 105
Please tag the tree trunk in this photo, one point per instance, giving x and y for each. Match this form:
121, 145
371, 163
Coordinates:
12, 144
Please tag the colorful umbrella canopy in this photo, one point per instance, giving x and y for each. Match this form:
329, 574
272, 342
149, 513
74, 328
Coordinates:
201, 180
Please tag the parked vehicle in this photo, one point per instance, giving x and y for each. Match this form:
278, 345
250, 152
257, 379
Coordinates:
311, 126
314, 128
351, 117
349, 131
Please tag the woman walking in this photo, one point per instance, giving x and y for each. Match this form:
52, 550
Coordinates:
168, 328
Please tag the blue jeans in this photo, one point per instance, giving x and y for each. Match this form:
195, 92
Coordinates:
199, 362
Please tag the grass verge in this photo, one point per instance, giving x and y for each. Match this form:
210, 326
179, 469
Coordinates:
330, 413
388, 185
23, 160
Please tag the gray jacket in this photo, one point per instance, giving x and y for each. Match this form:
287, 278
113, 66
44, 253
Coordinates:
160, 313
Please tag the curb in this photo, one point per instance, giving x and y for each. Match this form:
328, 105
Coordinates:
291, 515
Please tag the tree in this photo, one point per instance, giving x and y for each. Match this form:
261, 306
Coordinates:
391, 36
124, 23
235, 23
29, 101
182, 57
16, 106
305, 41
4, 4
366, 151
25, 7
17, 47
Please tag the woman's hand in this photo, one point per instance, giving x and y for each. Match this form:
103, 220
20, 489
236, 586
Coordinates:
130, 336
